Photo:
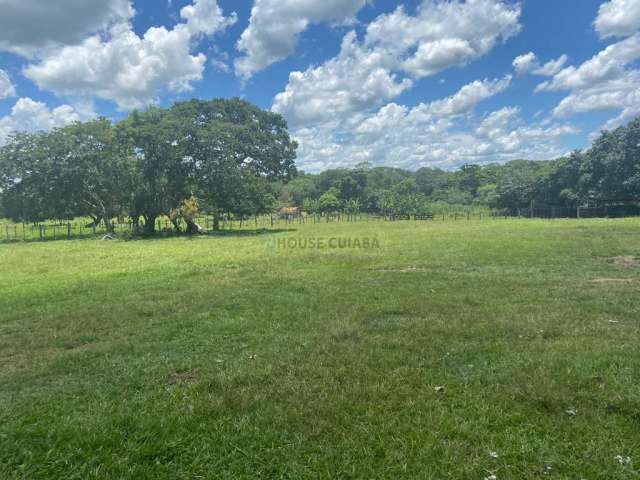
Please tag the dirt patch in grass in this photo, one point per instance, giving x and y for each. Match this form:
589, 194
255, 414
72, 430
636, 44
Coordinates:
186, 376
408, 269
625, 261
13, 362
619, 281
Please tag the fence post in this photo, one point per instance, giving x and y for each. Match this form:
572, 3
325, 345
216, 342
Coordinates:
68, 231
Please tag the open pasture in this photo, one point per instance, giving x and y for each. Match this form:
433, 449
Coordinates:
451, 350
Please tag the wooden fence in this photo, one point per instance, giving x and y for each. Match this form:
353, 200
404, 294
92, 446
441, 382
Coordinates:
11, 232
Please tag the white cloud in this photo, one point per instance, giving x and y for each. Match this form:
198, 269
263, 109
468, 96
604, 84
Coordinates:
618, 18
28, 26
446, 34
31, 116
444, 133
608, 64
604, 82
275, 25
396, 49
461, 103
620, 94
438, 55
129, 69
528, 63
205, 17
466, 99
7, 88
357, 79
405, 140
552, 67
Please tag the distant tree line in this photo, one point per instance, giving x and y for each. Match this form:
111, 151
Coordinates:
219, 156
607, 173
229, 157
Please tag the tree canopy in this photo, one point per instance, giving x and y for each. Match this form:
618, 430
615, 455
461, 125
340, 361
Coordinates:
608, 172
228, 156
225, 153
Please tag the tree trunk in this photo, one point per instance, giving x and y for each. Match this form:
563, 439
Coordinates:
96, 221
176, 225
193, 228
216, 222
109, 225
149, 224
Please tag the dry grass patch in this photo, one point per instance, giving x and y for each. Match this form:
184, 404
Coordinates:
408, 269
625, 261
619, 281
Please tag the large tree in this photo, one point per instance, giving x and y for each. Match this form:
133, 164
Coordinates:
235, 148
36, 180
100, 170
611, 168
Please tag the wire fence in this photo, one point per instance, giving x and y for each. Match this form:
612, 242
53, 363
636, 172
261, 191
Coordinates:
80, 229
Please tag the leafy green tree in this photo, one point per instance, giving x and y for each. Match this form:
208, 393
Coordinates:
329, 202
430, 180
234, 149
388, 202
469, 179
163, 168
79, 170
352, 207
611, 168
311, 205
100, 169
221, 151
299, 189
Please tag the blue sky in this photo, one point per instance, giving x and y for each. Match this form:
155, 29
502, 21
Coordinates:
401, 83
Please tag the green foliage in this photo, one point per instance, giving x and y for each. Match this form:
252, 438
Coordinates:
607, 173
225, 153
311, 205
329, 202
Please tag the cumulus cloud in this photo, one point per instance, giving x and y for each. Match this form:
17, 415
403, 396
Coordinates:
620, 94
275, 25
444, 133
6, 87
28, 26
444, 34
357, 79
131, 70
465, 100
528, 63
397, 49
618, 18
525, 63
397, 136
31, 116
604, 82
606, 65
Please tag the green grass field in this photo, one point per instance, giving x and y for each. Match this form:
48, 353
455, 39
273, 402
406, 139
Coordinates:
228, 358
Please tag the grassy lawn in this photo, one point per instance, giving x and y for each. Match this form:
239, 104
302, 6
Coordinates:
225, 357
